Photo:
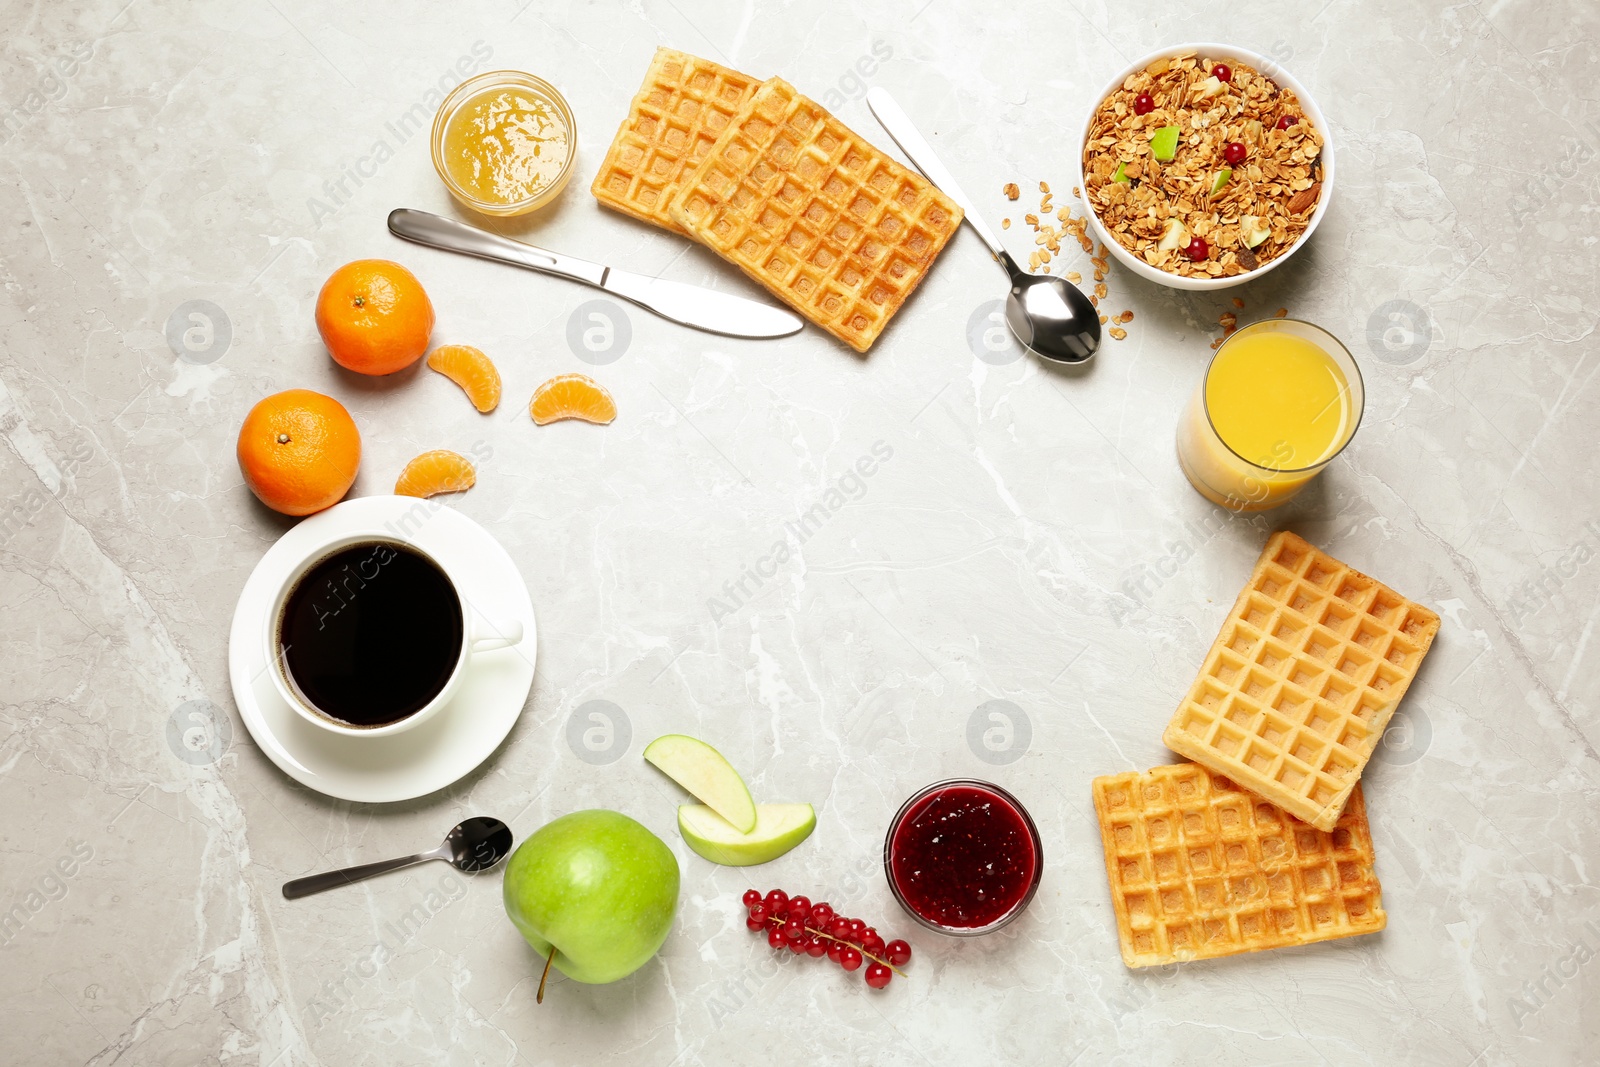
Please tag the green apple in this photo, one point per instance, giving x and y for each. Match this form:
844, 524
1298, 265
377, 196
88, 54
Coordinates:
1122, 174
599, 888
1175, 236
1254, 230
1164, 143
1221, 180
701, 770
779, 827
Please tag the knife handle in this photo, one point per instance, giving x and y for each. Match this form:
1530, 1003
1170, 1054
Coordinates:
436, 231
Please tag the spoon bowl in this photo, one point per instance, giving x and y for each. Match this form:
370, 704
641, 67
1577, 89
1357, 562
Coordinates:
478, 844
1048, 315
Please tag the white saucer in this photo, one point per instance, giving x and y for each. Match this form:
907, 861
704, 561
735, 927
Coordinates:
438, 752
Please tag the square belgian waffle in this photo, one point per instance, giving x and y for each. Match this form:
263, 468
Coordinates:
815, 213
1200, 868
1297, 690
684, 104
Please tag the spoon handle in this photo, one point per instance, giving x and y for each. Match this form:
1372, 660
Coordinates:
921, 153
316, 883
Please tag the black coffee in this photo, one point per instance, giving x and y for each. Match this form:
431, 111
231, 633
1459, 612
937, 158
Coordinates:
371, 633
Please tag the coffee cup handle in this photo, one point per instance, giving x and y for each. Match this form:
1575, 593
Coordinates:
502, 635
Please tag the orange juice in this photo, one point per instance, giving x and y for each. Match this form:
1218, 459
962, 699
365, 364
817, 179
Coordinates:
1279, 401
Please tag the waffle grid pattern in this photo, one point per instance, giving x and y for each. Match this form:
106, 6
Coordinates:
684, 104
815, 213
1198, 868
1301, 682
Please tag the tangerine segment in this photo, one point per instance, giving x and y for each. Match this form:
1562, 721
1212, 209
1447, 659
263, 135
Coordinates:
374, 316
299, 451
439, 471
470, 369
572, 396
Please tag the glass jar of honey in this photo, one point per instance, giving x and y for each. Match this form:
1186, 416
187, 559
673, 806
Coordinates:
504, 142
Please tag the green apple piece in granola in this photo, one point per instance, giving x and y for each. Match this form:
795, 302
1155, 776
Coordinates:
1254, 131
1164, 143
1209, 88
1220, 180
1254, 230
1175, 238
1122, 174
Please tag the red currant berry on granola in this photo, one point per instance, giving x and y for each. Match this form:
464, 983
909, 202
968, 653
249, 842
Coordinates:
1197, 249
1233, 153
1143, 104
1222, 72
1287, 121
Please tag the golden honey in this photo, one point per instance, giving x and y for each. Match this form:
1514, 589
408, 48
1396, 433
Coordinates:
504, 142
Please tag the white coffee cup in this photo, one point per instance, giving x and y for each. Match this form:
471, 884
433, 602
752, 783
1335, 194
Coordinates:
478, 634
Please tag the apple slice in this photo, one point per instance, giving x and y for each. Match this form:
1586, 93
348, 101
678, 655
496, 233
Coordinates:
1174, 238
1164, 143
701, 770
779, 827
1254, 230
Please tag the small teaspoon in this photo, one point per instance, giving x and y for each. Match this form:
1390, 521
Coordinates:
475, 845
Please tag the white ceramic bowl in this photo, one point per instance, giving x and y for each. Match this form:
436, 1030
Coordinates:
1218, 52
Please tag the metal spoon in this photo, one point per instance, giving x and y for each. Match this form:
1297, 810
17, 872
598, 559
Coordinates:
1049, 316
476, 845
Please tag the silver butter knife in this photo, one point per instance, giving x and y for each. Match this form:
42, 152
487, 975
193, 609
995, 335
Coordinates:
691, 305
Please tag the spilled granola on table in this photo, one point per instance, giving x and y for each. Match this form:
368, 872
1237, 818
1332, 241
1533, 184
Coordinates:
1245, 211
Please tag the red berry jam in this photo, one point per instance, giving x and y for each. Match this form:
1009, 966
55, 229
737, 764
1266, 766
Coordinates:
963, 857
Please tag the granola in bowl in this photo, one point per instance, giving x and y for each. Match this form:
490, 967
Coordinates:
1203, 167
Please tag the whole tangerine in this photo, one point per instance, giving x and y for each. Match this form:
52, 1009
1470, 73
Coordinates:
299, 451
374, 316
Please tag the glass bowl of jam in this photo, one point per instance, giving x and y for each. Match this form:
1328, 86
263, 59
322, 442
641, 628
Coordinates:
963, 857
504, 142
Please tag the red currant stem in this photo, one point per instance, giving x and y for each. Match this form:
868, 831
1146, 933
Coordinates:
539, 998
842, 941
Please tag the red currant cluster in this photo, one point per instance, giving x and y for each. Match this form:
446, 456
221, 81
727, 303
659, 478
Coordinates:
817, 930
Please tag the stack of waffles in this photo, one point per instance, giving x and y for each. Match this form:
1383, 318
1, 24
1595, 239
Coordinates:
773, 183
1262, 842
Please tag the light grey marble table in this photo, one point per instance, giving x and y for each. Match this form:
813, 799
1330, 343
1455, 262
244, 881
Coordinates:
1027, 539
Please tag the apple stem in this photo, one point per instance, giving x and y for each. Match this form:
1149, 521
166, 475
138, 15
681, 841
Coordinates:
539, 998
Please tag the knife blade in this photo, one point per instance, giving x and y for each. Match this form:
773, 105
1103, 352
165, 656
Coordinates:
688, 305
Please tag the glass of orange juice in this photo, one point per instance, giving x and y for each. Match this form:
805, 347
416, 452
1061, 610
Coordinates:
1280, 399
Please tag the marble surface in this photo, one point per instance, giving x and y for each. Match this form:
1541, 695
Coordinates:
196, 170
